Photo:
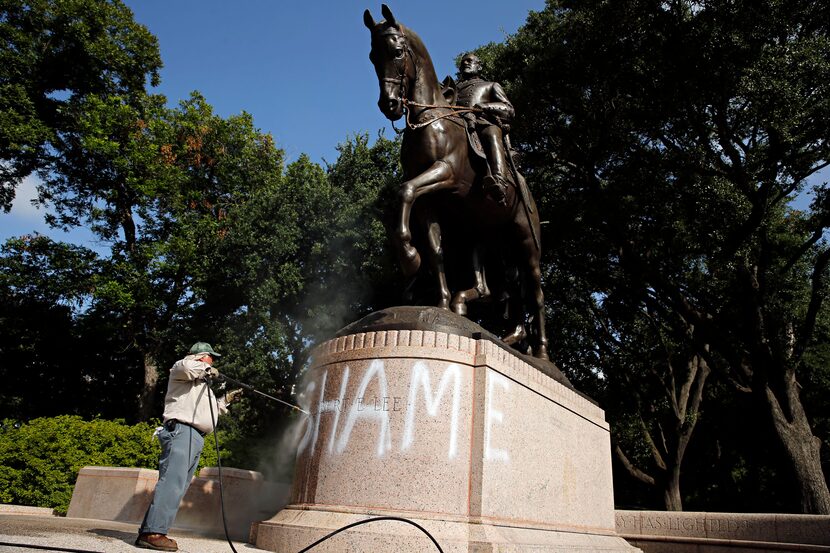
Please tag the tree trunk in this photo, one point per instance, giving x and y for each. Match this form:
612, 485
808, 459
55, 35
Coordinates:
146, 400
802, 449
671, 490
805, 458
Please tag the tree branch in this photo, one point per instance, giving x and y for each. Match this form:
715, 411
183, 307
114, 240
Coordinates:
655, 451
817, 293
632, 470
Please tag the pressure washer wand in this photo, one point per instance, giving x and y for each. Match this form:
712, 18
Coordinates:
251, 388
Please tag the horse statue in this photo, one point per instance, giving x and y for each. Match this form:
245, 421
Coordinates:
441, 171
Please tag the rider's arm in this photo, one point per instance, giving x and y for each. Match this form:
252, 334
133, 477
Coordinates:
499, 105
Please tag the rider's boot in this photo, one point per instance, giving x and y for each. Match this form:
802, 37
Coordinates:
496, 187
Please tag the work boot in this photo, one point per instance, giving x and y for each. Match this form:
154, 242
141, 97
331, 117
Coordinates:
159, 542
496, 188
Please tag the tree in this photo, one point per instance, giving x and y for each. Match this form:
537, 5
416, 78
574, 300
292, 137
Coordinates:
310, 258
671, 137
158, 186
198, 178
301, 259
657, 381
203, 231
41, 281
367, 178
51, 55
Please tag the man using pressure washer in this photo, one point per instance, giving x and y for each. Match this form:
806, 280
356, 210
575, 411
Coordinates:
187, 420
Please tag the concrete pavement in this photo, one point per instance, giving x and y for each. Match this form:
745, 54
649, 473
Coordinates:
41, 531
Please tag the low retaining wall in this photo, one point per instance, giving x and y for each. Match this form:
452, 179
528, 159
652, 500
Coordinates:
689, 532
123, 495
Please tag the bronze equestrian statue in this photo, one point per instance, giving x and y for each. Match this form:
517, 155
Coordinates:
490, 206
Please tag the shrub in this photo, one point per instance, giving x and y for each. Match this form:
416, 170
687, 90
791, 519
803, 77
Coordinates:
40, 460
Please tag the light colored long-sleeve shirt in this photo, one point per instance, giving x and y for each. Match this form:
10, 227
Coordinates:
187, 395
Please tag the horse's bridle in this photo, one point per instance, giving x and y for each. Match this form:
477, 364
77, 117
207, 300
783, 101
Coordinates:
401, 80
400, 63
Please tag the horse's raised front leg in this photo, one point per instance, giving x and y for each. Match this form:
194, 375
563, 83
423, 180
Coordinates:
437, 177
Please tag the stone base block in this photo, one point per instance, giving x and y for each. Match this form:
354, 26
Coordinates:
293, 530
123, 495
248, 499
455, 431
112, 493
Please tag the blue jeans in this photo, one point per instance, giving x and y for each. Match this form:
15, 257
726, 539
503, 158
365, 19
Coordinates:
180, 451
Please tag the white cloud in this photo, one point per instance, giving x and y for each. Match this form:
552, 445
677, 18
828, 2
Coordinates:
22, 206
25, 218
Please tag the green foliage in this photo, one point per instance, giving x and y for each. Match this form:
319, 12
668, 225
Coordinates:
209, 235
40, 460
41, 280
310, 257
665, 141
41, 270
52, 55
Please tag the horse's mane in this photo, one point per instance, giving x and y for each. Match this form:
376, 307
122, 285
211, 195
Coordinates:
418, 47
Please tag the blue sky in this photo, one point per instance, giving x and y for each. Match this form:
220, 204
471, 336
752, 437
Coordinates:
300, 68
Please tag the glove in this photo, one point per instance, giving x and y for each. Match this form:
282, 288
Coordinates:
232, 396
212, 372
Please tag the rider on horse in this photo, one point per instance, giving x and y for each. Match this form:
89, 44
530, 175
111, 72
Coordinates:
496, 110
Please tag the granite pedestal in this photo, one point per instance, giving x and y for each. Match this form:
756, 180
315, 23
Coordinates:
454, 432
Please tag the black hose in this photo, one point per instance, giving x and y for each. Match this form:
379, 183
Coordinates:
47, 547
214, 420
375, 519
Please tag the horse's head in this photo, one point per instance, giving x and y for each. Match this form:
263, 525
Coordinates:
394, 62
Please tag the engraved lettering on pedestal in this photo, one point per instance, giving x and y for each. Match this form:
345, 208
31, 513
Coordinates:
328, 407
419, 380
625, 522
376, 372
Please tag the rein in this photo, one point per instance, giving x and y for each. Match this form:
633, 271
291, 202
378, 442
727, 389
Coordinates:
454, 112
401, 81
